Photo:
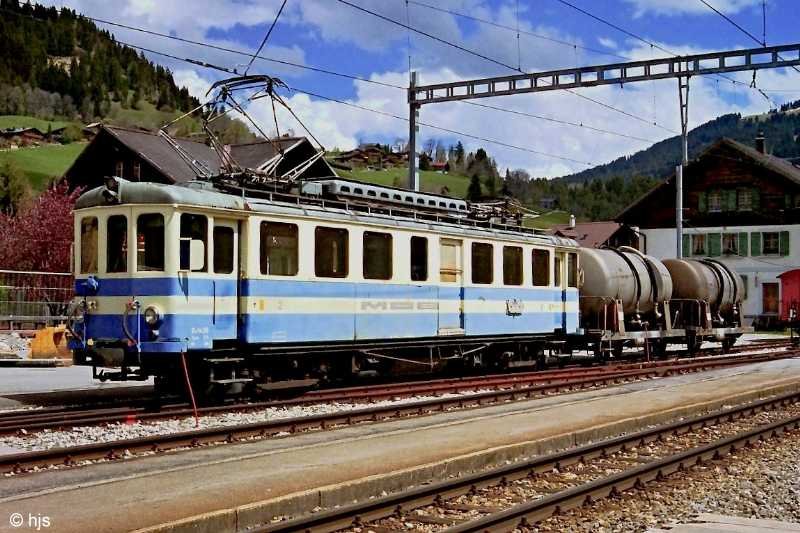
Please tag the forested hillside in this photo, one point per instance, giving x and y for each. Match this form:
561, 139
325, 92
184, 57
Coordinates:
58, 64
781, 129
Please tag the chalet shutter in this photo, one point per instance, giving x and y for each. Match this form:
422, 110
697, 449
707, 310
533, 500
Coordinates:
784, 243
714, 244
687, 246
743, 244
702, 204
755, 199
730, 200
755, 244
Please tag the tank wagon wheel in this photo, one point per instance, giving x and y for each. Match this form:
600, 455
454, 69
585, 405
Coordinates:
693, 345
727, 343
658, 347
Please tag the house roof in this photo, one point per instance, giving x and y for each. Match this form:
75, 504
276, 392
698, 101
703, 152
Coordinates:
775, 164
588, 234
158, 152
255, 154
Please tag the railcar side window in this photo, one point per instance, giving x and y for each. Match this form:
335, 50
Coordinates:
541, 268
117, 244
195, 228
512, 265
278, 249
377, 256
557, 270
572, 270
223, 250
450, 261
482, 263
330, 252
419, 259
88, 245
150, 242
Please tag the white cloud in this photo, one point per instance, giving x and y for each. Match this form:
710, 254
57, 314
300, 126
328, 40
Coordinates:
608, 42
692, 7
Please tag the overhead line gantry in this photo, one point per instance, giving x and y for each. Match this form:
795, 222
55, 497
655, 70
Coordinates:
677, 67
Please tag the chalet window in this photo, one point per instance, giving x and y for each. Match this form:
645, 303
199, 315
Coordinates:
377, 256
119, 169
150, 242
512, 265
771, 242
744, 200
223, 249
715, 201
482, 263
117, 244
730, 243
330, 257
572, 270
419, 259
541, 268
699, 245
88, 245
193, 228
137, 171
278, 249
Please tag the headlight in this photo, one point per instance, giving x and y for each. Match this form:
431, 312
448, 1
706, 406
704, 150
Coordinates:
152, 316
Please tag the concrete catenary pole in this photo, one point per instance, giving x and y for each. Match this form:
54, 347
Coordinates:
413, 112
683, 96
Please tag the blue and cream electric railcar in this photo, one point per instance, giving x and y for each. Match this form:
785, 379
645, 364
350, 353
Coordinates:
252, 290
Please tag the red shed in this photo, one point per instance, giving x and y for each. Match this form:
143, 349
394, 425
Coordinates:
790, 293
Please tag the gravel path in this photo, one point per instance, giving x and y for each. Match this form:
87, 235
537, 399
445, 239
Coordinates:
763, 482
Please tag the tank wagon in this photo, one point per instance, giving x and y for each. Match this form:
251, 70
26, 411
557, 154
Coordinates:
624, 301
237, 291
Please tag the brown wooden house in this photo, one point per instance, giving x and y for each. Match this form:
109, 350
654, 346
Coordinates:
741, 206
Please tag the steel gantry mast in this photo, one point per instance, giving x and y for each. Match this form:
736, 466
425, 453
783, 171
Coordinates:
677, 67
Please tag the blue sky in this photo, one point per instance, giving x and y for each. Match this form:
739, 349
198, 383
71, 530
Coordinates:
334, 36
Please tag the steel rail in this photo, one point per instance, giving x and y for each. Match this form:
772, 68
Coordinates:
358, 514
526, 385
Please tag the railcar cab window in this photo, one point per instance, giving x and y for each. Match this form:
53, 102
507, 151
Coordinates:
541, 267
193, 228
557, 265
482, 263
572, 270
223, 250
88, 245
512, 265
330, 252
377, 255
150, 242
419, 259
278, 249
117, 244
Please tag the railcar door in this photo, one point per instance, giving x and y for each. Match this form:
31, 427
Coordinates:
451, 287
225, 279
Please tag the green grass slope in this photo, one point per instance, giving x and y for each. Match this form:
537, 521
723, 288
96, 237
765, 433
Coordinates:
43, 163
18, 121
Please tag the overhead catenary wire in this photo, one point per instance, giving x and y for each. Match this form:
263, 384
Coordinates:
369, 109
517, 29
496, 61
329, 72
741, 29
266, 37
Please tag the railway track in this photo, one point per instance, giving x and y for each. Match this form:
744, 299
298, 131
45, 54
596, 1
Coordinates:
552, 381
518, 496
74, 455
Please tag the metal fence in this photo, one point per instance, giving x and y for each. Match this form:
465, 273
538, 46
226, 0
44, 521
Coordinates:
32, 299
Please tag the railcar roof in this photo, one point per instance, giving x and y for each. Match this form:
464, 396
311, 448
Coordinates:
204, 195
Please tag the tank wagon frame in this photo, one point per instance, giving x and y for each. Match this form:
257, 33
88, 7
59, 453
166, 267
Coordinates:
283, 287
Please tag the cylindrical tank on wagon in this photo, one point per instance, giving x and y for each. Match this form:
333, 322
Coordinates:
637, 280
707, 280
